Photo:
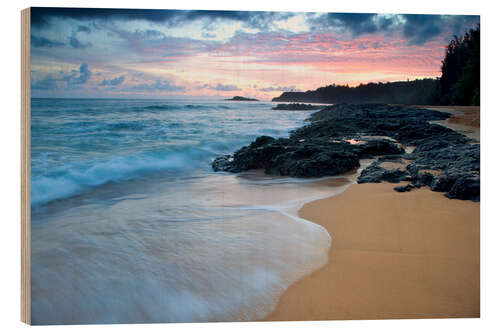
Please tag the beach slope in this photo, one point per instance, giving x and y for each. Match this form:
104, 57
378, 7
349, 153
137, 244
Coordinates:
393, 255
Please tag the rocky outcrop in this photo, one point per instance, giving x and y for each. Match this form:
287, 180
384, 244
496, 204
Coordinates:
337, 137
301, 158
374, 173
298, 107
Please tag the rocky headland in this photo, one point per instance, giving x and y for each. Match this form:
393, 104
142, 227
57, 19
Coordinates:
298, 107
403, 142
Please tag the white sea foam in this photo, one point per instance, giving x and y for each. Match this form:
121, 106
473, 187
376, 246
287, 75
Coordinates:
154, 235
132, 262
71, 179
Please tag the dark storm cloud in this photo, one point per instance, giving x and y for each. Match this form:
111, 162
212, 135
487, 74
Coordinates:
76, 44
419, 28
257, 20
74, 79
41, 16
113, 82
460, 21
44, 42
416, 28
357, 24
47, 83
78, 77
82, 28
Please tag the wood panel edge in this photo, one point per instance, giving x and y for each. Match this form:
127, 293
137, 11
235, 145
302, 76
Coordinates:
25, 168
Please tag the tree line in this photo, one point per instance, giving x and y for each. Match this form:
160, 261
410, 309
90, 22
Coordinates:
458, 84
403, 92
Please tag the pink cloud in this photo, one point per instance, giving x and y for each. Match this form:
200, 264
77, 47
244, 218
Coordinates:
330, 53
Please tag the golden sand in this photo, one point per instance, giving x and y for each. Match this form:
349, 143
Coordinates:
393, 255
464, 119
463, 115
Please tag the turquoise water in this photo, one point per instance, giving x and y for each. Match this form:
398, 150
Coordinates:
130, 224
77, 144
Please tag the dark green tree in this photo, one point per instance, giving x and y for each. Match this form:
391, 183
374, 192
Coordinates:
460, 79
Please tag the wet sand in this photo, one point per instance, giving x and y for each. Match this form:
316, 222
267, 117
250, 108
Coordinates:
393, 255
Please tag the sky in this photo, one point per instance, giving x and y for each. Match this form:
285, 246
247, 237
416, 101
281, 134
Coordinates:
126, 53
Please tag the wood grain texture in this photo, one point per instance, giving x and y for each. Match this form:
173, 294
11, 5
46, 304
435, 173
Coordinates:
25, 168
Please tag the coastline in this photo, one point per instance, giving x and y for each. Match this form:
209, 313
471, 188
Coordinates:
379, 269
464, 119
398, 251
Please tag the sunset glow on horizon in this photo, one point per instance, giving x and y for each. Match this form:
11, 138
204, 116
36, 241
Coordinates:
167, 53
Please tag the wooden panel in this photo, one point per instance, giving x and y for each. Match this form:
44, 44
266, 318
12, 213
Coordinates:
25, 168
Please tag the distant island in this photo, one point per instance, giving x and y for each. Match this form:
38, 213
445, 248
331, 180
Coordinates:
242, 99
297, 107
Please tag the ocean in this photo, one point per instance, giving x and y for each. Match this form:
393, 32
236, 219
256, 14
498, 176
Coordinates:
131, 225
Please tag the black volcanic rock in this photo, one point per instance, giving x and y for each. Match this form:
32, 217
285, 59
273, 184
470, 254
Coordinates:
377, 148
405, 188
375, 174
338, 136
344, 120
297, 107
466, 188
302, 158
289, 157
242, 99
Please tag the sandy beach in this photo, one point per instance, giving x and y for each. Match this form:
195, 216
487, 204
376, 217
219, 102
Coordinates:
463, 115
393, 255
464, 119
